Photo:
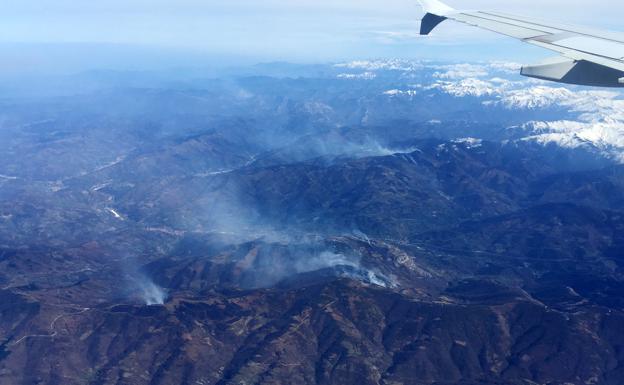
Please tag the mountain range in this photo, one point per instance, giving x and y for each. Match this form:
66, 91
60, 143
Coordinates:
373, 222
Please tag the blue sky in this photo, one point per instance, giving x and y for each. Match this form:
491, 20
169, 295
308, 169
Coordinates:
266, 30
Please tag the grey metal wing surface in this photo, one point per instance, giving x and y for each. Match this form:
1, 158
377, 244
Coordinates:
588, 57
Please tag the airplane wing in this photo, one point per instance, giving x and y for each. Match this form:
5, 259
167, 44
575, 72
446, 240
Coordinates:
594, 58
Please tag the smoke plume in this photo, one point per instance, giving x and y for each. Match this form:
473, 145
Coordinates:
150, 292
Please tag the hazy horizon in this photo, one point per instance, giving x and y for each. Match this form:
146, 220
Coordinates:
65, 36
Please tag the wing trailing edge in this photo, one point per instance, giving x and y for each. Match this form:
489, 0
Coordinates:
570, 71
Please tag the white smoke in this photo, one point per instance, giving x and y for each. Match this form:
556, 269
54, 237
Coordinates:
151, 293
362, 236
324, 260
328, 259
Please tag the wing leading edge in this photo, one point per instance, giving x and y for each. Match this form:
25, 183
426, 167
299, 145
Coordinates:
593, 58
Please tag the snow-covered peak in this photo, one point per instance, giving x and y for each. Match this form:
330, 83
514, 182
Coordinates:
535, 97
460, 71
387, 64
466, 87
396, 92
362, 76
577, 116
469, 142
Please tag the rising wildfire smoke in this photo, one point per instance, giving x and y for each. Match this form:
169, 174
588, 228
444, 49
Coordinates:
150, 292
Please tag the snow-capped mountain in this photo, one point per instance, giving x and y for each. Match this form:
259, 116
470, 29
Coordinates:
568, 116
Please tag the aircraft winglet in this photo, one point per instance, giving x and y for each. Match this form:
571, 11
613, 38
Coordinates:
436, 13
